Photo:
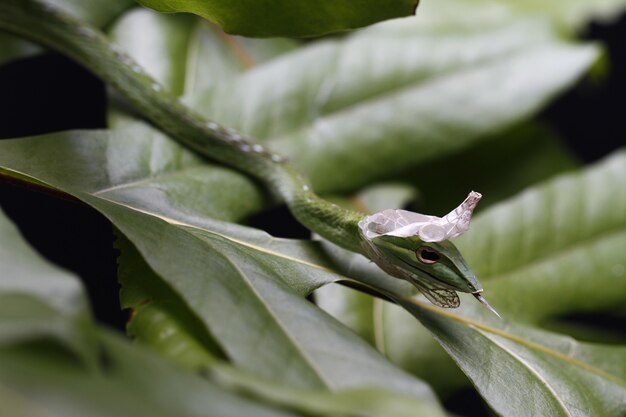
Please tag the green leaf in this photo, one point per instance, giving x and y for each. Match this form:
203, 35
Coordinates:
39, 298
137, 166
525, 155
96, 12
575, 226
13, 48
396, 95
557, 247
348, 122
522, 371
163, 323
288, 18
385, 325
49, 351
359, 402
247, 288
159, 317
41, 378
570, 14
186, 54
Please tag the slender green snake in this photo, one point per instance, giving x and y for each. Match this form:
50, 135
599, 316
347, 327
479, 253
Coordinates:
407, 245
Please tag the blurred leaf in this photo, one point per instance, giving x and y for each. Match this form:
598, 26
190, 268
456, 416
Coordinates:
396, 95
246, 287
186, 54
356, 402
50, 354
288, 18
499, 167
37, 297
558, 247
40, 381
13, 48
570, 14
96, 12
349, 121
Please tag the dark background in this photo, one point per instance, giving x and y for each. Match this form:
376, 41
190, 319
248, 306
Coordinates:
49, 93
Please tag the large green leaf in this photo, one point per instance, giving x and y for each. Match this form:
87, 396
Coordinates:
288, 17
39, 377
187, 56
139, 166
53, 362
558, 247
246, 287
576, 224
571, 14
397, 95
39, 380
522, 371
163, 322
345, 110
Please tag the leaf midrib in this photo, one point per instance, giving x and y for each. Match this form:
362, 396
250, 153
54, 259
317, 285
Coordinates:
279, 324
315, 370
532, 370
147, 180
518, 339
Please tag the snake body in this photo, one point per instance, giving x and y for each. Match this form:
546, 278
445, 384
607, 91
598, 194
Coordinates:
49, 26
409, 246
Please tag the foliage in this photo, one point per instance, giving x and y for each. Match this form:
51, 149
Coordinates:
442, 101
288, 17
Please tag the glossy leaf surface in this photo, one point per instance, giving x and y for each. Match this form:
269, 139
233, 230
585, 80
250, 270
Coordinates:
54, 362
246, 287
288, 17
502, 356
41, 378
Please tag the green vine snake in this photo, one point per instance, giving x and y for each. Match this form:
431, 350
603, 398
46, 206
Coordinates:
407, 245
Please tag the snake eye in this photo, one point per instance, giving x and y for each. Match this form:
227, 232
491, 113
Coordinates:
427, 256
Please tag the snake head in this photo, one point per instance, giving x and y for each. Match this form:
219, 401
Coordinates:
440, 263
416, 247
